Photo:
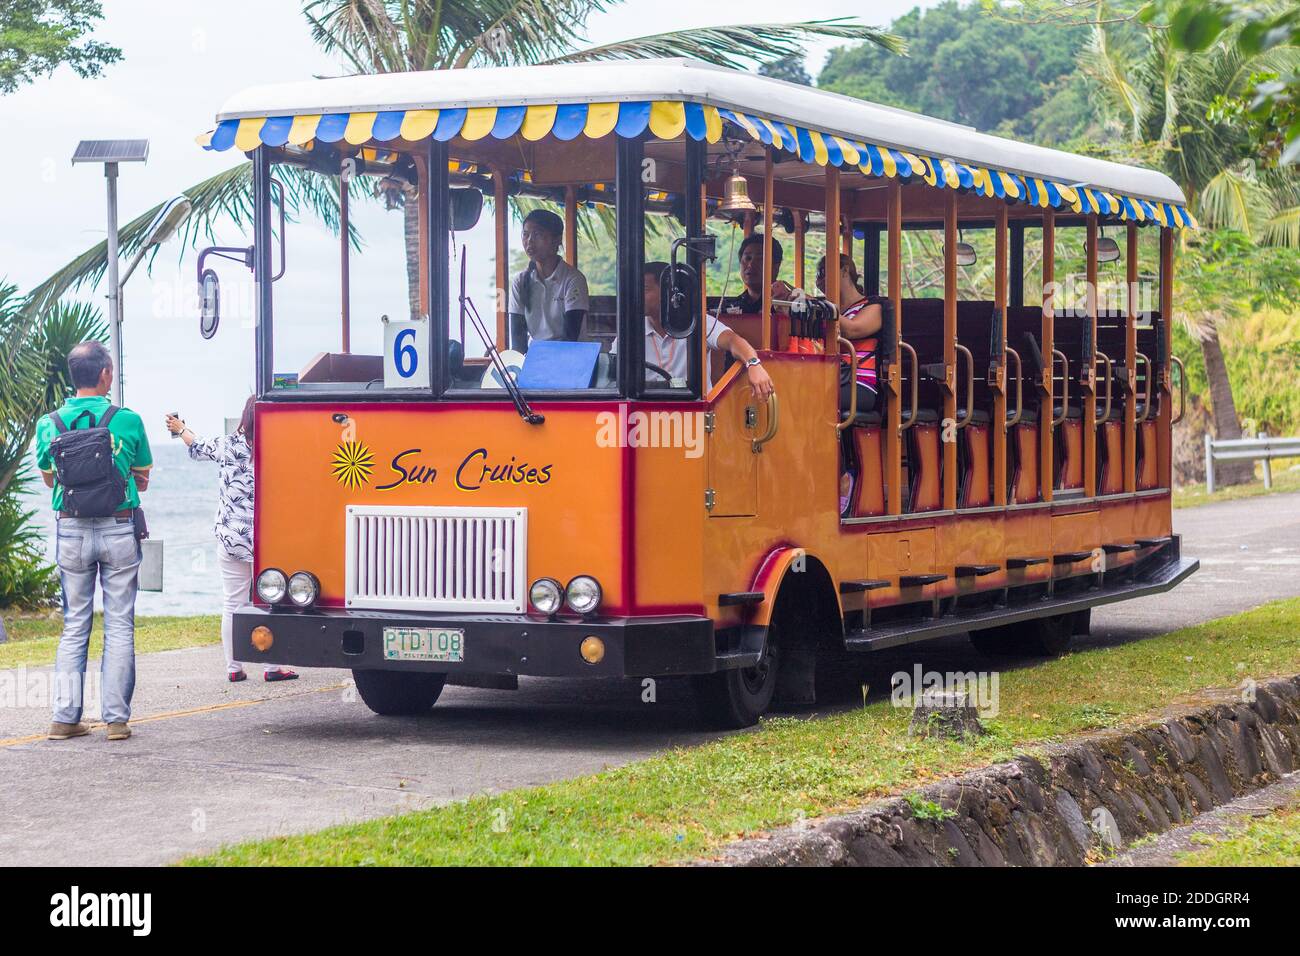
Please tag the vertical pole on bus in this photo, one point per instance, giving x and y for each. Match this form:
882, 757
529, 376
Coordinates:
262, 268
571, 226
834, 215
694, 223
703, 224
1164, 424
423, 242
1088, 373
832, 233
1046, 413
949, 431
436, 225
501, 213
894, 380
769, 327
1130, 360
999, 348
800, 253
345, 271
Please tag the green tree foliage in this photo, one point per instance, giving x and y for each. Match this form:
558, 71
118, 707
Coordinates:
967, 66
1273, 108
37, 381
38, 36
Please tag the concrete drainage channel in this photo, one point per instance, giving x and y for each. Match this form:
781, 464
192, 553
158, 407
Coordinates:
1067, 806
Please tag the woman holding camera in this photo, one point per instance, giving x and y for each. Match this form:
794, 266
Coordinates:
234, 524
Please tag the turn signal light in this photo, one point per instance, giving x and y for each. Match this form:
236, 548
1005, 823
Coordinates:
263, 638
592, 649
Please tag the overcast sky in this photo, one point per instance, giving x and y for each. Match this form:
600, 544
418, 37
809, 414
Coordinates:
181, 60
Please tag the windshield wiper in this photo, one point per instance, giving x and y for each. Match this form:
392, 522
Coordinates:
521, 404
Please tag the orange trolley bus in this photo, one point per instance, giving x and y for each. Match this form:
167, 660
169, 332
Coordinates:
433, 505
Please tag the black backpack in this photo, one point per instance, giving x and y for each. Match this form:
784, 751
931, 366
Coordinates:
84, 466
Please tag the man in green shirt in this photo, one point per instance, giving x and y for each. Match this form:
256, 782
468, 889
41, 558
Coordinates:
96, 548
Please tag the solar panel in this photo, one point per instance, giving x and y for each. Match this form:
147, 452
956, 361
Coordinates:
111, 151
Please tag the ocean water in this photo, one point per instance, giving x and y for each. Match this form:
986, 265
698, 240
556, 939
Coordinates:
179, 505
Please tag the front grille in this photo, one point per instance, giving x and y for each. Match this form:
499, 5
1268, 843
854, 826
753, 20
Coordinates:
437, 559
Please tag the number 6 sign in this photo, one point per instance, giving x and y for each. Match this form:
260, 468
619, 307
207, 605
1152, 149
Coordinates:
406, 355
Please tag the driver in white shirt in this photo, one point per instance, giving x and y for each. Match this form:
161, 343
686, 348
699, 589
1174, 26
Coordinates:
548, 300
671, 354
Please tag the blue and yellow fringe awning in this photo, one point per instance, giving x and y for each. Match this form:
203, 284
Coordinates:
667, 120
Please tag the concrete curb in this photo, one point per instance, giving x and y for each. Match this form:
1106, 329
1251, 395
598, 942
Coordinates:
1056, 809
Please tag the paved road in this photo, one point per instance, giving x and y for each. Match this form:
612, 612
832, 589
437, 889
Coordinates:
213, 762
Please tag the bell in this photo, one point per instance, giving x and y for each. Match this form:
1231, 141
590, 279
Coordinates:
736, 197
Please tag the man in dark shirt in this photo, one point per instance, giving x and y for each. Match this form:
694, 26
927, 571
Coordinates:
750, 302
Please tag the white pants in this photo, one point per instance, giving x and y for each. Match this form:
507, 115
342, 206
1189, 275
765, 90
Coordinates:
236, 581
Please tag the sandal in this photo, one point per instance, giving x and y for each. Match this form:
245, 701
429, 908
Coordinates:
279, 674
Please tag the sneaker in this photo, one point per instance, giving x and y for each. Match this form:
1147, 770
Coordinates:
279, 674
60, 731
118, 731
236, 676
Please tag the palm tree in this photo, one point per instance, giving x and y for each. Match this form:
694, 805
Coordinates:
397, 36
1168, 103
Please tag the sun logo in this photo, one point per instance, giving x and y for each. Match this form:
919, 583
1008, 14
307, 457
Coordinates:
352, 464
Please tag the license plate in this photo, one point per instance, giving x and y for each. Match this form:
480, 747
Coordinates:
424, 644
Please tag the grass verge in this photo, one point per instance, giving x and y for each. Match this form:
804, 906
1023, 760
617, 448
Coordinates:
1189, 496
1269, 841
684, 802
33, 640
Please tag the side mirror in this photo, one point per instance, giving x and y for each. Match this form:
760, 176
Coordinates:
679, 293
465, 208
966, 254
209, 303
1107, 250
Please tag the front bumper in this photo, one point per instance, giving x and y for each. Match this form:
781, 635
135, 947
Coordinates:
500, 644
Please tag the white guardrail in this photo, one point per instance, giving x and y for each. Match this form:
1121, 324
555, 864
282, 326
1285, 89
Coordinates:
1248, 449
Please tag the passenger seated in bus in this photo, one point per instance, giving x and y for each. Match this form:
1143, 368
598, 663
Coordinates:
750, 302
860, 318
548, 300
671, 354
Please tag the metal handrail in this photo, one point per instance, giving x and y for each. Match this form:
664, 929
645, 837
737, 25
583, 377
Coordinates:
1102, 356
773, 422
1182, 389
1020, 393
970, 385
1146, 387
916, 371
853, 383
1065, 386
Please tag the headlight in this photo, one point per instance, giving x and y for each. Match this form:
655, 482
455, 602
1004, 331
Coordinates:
546, 595
583, 594
304, 589
271, 586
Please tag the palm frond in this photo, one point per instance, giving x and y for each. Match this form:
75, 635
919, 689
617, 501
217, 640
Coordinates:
1104, 65
1282, 229
225, 198
362, 32
1231, 200
735, 46
515, 32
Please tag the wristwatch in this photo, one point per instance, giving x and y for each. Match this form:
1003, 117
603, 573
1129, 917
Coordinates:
750, 363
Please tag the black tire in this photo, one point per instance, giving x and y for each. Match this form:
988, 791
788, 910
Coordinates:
1040, 637
729, 700
398, 693
1048, 636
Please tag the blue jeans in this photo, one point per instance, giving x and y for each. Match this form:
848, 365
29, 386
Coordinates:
87, 548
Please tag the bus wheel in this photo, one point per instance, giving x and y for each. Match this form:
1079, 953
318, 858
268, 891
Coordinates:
1052, 636
398, 693
738, 697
